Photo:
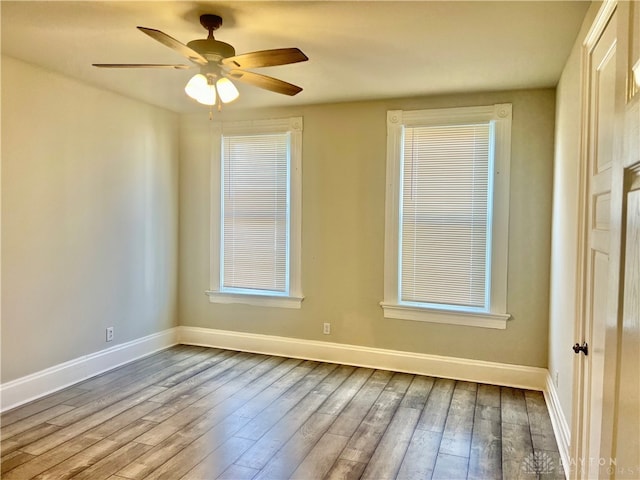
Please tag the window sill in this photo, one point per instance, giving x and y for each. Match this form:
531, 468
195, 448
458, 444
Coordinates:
256, 300
451, 317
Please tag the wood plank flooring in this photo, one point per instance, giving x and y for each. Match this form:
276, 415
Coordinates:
202, 414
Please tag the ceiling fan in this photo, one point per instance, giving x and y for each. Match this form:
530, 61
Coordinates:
219, 63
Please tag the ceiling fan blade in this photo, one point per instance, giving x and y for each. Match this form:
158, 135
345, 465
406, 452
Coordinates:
174, 44
266, 58
268, 83
140, 65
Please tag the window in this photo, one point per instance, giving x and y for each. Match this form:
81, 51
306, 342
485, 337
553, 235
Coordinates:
447, 215
256, 208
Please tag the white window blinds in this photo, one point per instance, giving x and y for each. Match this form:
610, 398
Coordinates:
445, 215
255, 211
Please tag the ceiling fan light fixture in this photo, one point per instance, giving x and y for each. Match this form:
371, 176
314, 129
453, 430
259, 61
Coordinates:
227, 90
201, 90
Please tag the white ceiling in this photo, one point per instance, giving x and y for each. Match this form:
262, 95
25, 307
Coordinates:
358, 50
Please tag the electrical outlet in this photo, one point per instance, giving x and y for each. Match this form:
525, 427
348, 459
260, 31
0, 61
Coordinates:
326, 329
109, 334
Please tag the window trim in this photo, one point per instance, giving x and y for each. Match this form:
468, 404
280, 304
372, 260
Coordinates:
500, 115
292, 126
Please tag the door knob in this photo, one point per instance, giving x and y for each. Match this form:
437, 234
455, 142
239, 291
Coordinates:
584, 348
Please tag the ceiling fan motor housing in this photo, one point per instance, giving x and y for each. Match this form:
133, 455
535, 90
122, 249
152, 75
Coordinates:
211, 49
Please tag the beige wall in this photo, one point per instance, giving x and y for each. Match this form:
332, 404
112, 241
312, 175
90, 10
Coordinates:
343, 233
89, 219
563, 290
89, 225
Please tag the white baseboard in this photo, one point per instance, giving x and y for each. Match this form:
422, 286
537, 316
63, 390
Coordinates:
44, 382
438, 366
559, 422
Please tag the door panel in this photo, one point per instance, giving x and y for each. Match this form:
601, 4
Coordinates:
602, 212
599, 290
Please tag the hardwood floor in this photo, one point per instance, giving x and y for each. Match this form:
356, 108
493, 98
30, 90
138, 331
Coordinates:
199, 413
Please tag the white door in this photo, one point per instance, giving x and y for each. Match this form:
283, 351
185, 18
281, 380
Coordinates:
599, 145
